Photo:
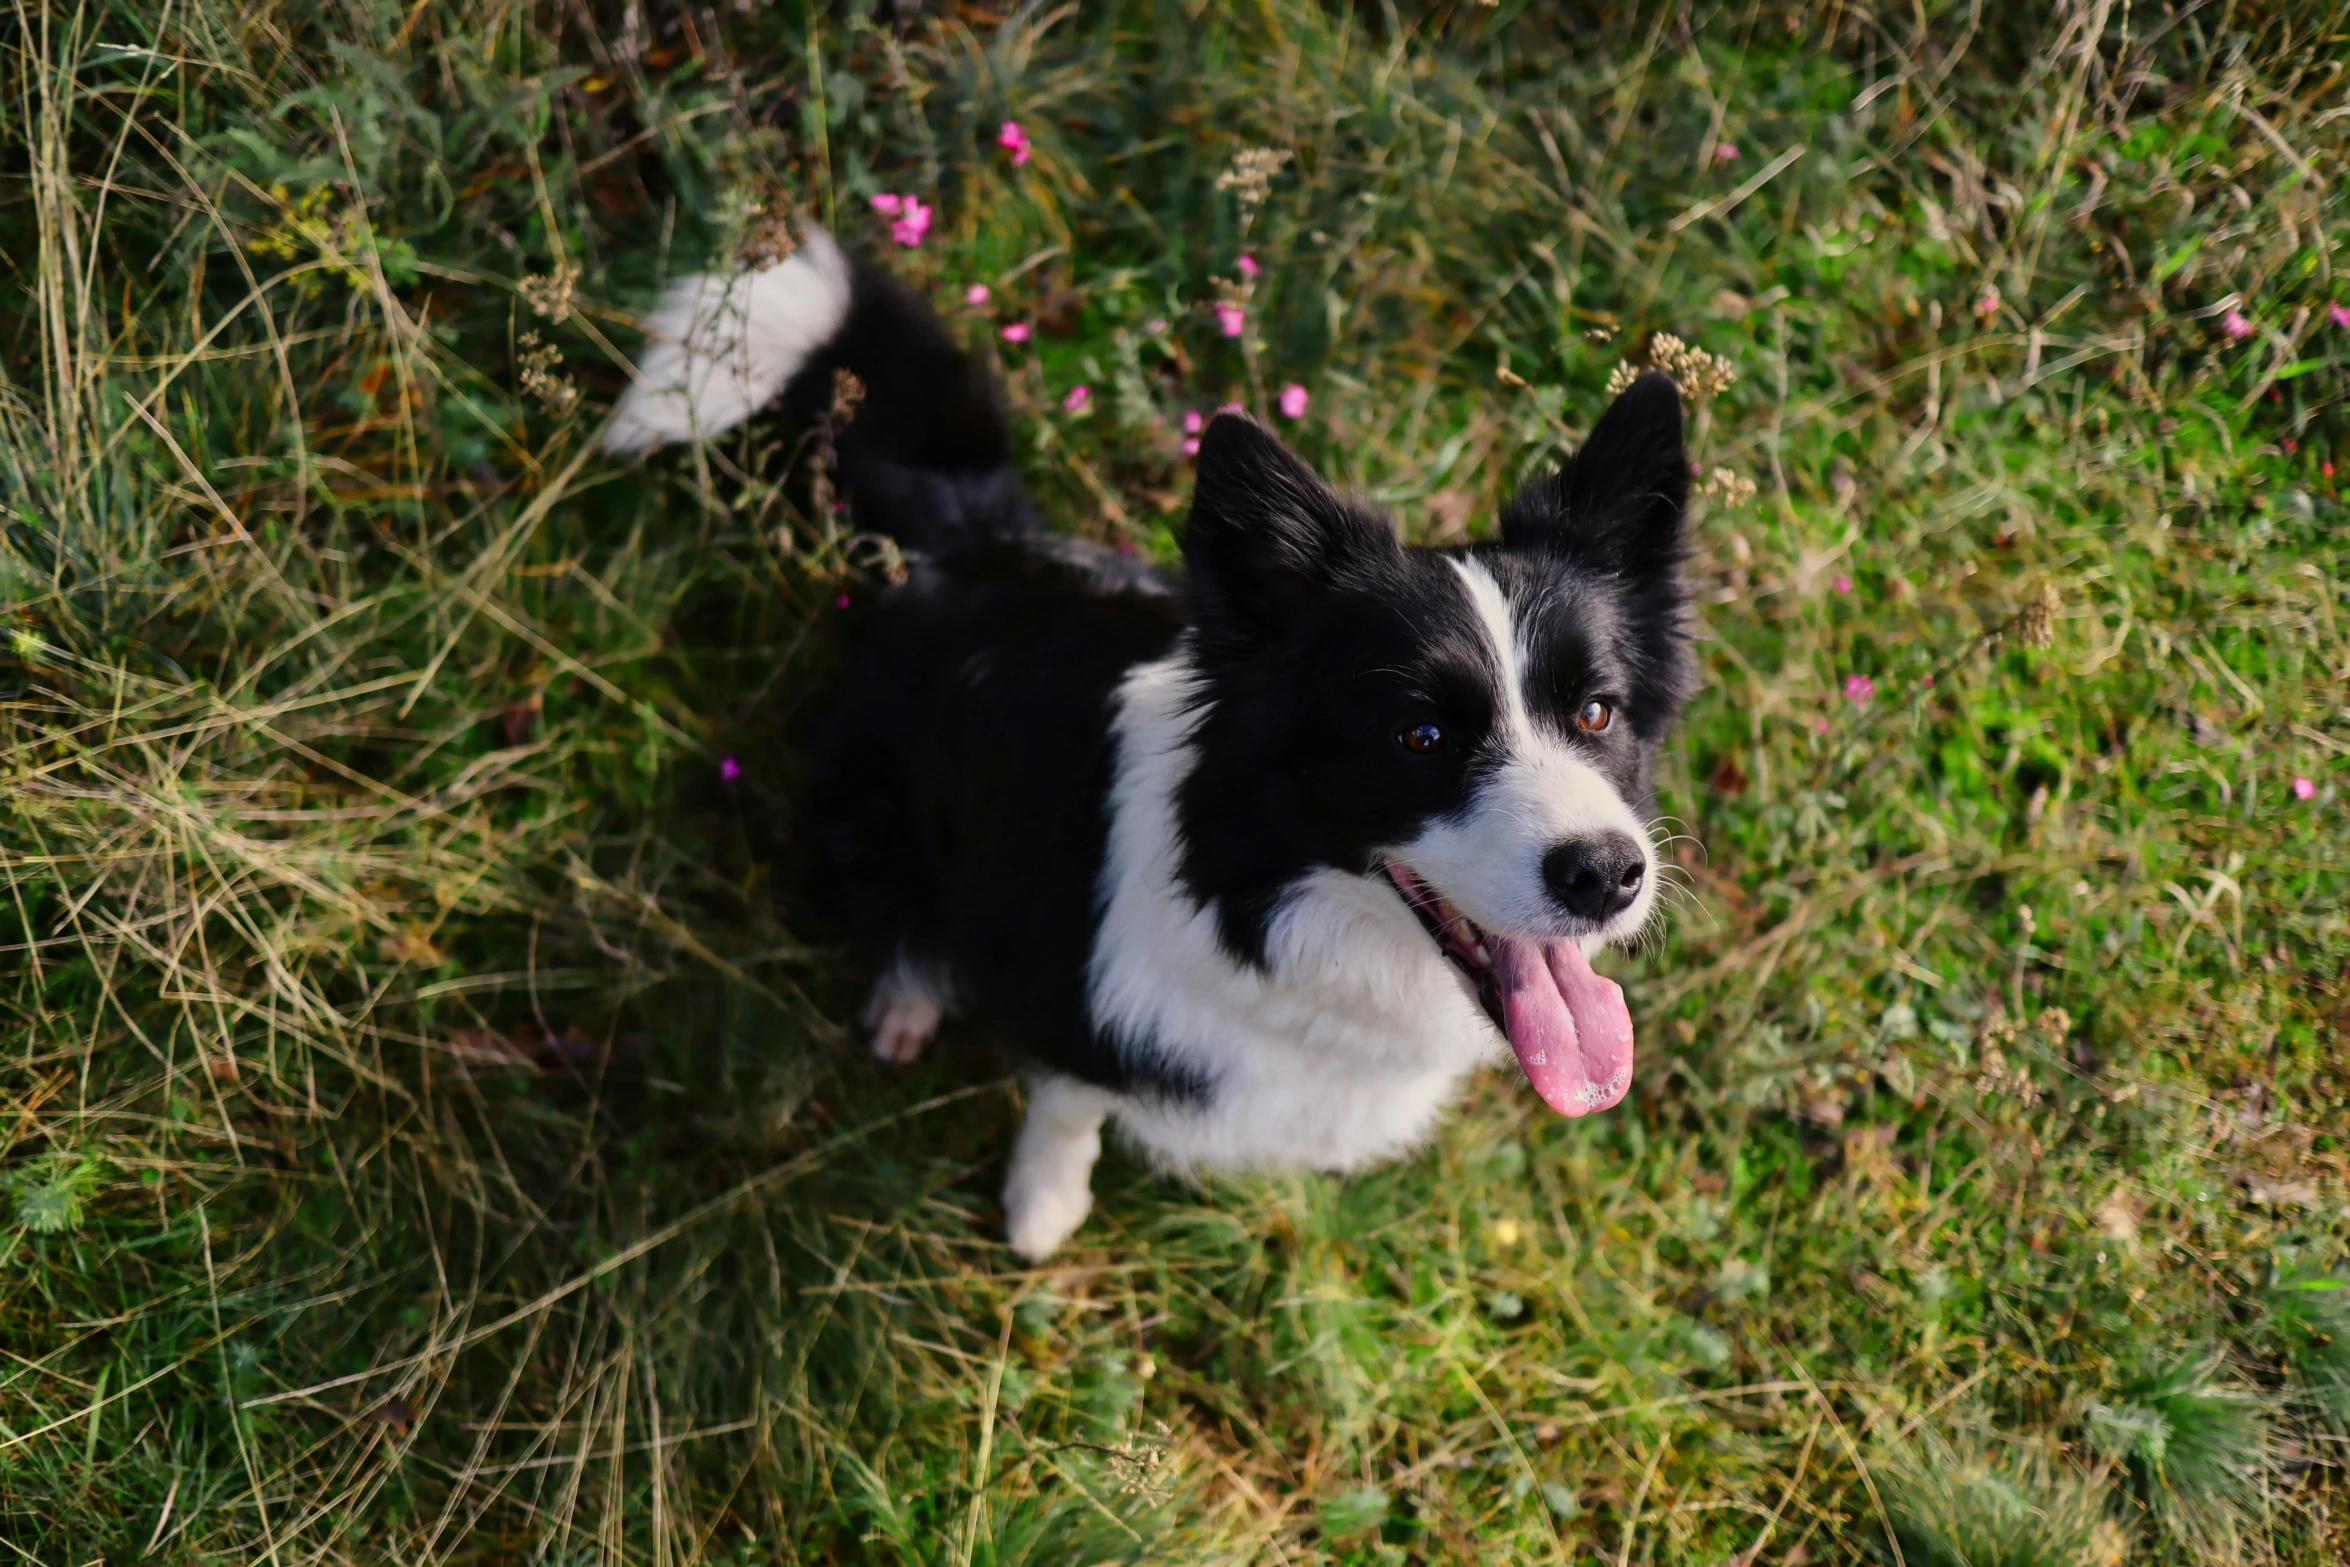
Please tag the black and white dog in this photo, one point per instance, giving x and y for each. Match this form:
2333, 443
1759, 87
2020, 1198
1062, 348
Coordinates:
1258, 862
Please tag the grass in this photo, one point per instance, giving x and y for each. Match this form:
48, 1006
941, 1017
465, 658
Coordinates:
433, 1127
1969, 1508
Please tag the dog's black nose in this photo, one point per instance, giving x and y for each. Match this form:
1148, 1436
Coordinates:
1595, 878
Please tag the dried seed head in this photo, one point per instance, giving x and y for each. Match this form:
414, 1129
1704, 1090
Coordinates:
1699, 374
553, 296
847, 393
1250, 179
1145, 1465
2117, 1217
1998, 1077
767, 228
1726, 487
1995, 1073
555, 393
2037, 624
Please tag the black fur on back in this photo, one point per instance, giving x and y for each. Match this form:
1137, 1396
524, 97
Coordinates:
958, 788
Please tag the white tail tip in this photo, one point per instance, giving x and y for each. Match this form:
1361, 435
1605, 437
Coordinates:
719, 347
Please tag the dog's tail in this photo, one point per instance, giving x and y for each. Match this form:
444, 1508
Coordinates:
925, 452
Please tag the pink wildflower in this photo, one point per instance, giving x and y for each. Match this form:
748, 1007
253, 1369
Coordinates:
1248, 265
1842, 584
842, 602
1859, 688
888, 205
976, 294
1231, 317
913, 222
1293, 401
1015, 141
1192, 421
1191, 446
1819, 726
2339, 315
1155, 326
729, 769
2236, 325
1726, 152
1017, 332
1988, 305
2303, 789
1079, 398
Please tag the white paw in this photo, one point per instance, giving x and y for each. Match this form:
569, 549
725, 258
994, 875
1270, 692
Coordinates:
1043, 1209
902, 1024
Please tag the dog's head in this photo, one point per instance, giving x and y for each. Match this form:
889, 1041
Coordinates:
1475, 727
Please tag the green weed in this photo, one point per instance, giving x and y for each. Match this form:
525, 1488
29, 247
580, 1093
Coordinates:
2196, 1450
1976, 1507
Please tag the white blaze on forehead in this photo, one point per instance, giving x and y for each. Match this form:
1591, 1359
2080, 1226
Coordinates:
1539, 793
1501, 634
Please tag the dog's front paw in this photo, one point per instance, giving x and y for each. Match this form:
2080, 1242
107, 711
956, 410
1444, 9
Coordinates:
1049, 1189
1043, 1209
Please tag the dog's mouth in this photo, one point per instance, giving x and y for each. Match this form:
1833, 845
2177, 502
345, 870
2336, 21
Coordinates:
1568, 1026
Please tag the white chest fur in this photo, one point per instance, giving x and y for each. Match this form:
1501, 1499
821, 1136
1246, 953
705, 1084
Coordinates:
1338, 1054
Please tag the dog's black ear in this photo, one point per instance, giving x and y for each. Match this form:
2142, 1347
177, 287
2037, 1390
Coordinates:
1266, 536
1618, 502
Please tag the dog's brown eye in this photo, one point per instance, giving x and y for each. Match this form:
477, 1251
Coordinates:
1420, 739
1596, 715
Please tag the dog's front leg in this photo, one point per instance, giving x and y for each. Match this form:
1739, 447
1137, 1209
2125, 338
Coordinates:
1050, 1187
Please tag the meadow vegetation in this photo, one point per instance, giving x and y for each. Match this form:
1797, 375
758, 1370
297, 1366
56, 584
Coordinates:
432, 1126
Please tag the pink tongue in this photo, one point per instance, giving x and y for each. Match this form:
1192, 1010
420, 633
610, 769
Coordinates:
1570, 1028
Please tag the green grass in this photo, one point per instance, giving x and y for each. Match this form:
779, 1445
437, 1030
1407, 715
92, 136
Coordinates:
433, 1129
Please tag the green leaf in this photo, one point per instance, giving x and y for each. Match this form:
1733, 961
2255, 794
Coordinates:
1356, 1511
49, 1195
2177, 259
